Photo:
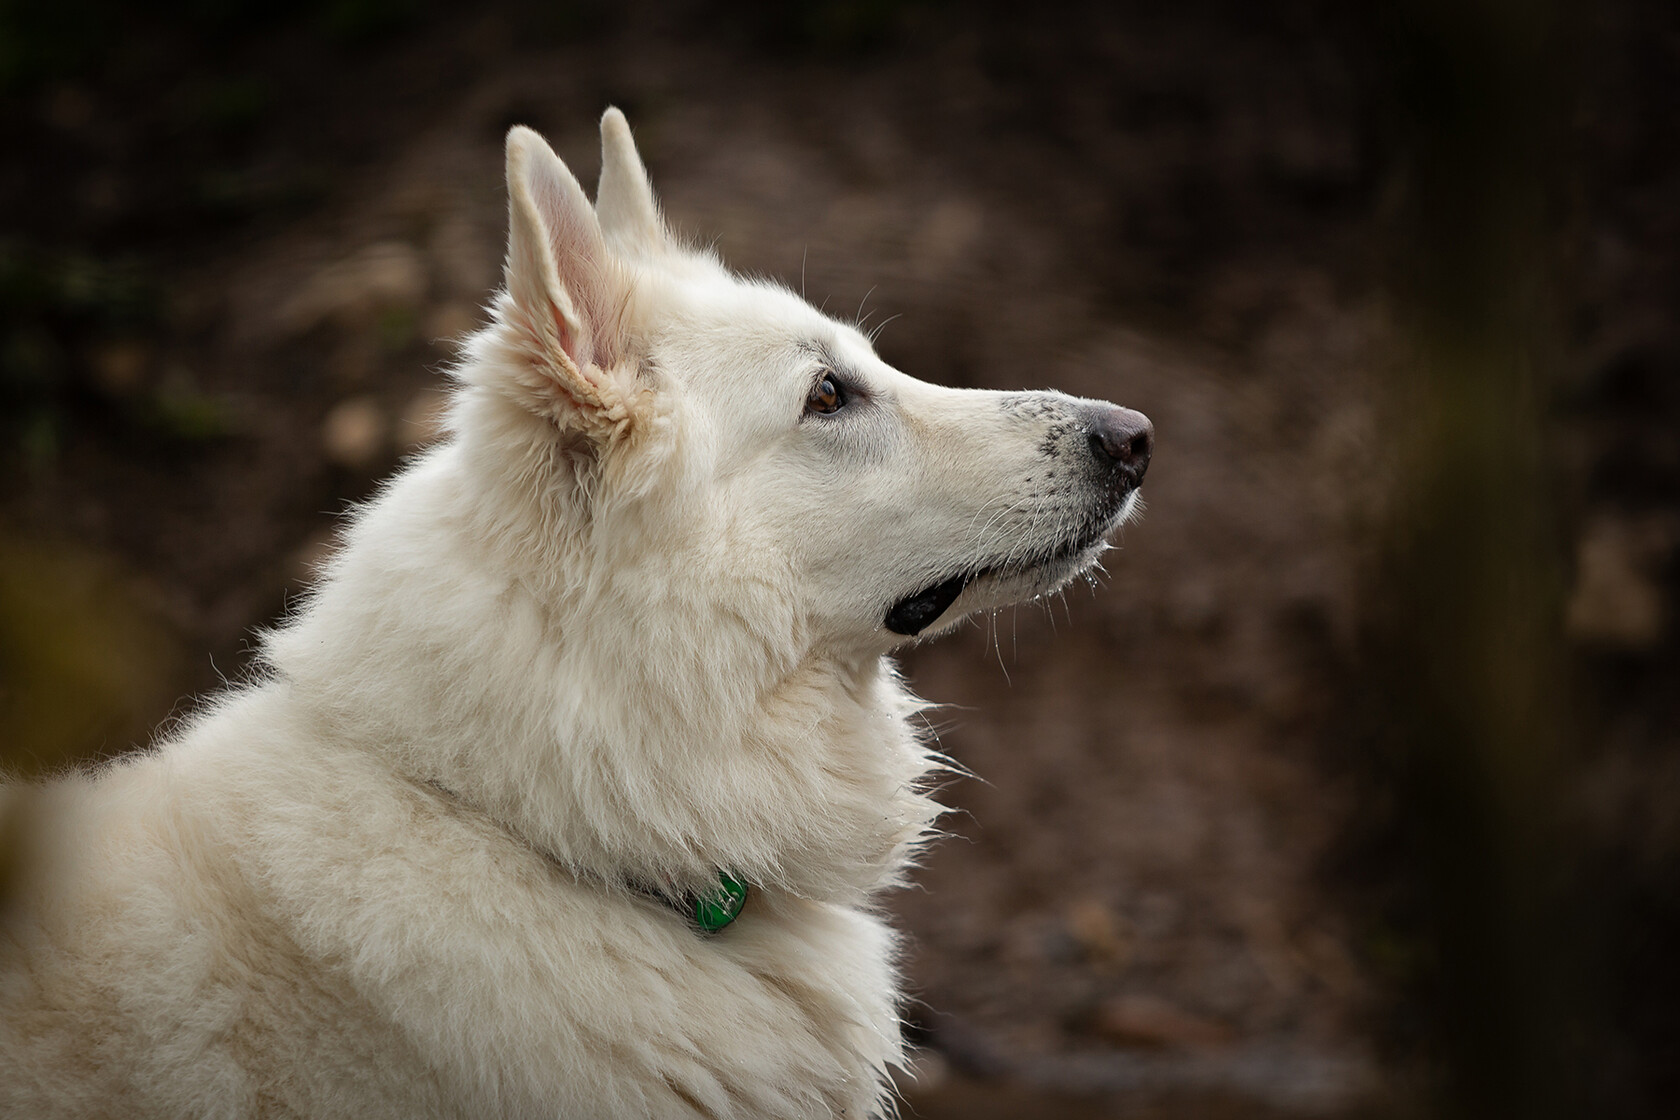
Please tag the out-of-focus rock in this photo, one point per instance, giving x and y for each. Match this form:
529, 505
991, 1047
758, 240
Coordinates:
1102, 936
355, 433
1617, 601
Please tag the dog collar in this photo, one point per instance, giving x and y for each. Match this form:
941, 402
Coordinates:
711, 912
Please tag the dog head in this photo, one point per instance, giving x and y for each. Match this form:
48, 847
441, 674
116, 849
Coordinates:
703, 437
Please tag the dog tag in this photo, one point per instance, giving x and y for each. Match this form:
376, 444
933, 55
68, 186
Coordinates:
712, 913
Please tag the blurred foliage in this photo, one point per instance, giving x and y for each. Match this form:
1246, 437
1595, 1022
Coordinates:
75, 288
53, 305
72, 331
225, 104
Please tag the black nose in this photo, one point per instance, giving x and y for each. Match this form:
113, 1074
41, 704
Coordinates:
1123, 438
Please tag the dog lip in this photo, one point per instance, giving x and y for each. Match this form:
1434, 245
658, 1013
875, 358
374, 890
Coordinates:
915, 613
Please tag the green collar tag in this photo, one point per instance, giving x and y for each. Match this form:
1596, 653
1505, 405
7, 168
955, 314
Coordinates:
713, 912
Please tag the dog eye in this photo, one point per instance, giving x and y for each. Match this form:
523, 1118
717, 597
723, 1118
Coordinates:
826, 396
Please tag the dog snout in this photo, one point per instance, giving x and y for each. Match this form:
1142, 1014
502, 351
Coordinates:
1122, 439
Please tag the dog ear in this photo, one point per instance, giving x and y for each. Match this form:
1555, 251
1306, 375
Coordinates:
567, 293
624, 199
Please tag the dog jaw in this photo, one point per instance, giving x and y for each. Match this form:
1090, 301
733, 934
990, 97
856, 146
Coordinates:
989, 587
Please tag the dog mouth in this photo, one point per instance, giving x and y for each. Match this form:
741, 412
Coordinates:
916, 612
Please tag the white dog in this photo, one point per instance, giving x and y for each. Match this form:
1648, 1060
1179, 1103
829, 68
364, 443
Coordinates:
570, 790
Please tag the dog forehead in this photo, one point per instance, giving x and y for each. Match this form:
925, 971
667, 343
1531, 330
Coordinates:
754, 340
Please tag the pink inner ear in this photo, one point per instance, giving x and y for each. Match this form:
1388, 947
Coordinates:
576, 249
585, 281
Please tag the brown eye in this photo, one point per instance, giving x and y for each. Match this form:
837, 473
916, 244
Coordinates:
826, 396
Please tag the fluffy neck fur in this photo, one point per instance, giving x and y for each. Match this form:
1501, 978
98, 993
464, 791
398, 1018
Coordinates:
585, 721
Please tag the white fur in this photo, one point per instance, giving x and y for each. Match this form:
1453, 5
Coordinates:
621, 631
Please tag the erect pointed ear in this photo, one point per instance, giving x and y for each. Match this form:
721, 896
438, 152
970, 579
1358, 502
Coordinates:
624, 200
568, 294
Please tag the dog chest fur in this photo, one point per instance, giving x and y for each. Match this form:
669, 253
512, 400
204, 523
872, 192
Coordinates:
308, 933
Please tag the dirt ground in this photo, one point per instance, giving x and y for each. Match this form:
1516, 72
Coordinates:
236, 255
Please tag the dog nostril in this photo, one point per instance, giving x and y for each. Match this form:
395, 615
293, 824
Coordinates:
1125, 437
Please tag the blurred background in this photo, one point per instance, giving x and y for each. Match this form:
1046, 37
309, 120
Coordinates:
1355, 789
